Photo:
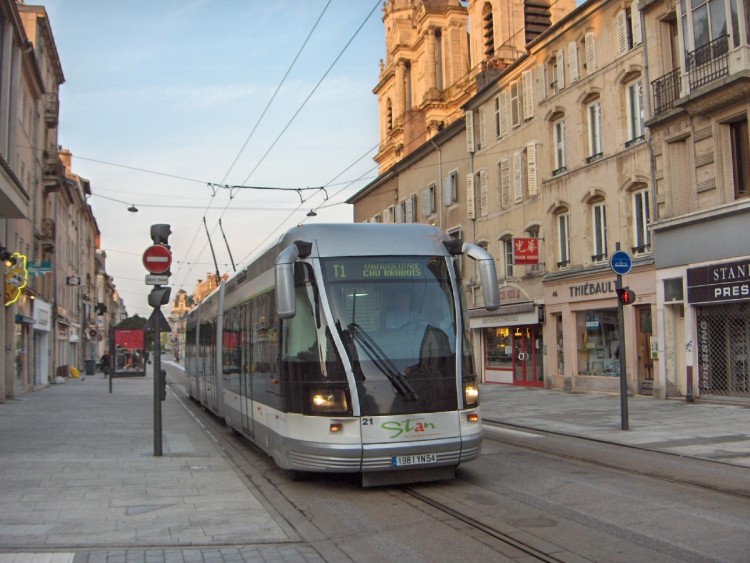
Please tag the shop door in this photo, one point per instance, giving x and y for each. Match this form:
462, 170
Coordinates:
527, 367
645, 363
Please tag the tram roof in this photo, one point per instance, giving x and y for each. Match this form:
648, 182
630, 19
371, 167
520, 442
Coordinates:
354, 239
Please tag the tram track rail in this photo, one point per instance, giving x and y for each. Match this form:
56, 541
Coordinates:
700, 474
532, 551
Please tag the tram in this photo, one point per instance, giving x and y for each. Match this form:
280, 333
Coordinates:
344, 348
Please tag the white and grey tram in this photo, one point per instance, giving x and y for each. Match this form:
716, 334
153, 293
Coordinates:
345, 348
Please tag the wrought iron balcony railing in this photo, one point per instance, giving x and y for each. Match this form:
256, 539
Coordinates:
708, 62
666, 89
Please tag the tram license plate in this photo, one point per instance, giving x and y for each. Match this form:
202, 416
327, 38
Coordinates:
416, 459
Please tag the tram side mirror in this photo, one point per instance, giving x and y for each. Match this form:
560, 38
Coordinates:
286, 306
487, 274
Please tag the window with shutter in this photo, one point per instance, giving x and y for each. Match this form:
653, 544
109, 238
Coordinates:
531, 169
497, 115
542, 82
559, 134
483, 195
400, 212
503, 113
590, 47
527, 81
634, 112
515, 109
559, 71
641, 222
517, 175
599, 223
450, 188
504, 174
411, 209
635, 23
563, 240
573, 61
388, 215
595, 129
469, 131
470, 208
482, 128
624, 28
428, 200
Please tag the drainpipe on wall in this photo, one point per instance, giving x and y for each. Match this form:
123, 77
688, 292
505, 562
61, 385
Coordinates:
439, 182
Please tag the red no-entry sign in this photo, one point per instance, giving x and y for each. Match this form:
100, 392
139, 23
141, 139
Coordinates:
157, 259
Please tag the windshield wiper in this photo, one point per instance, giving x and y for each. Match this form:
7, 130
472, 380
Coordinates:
382, 361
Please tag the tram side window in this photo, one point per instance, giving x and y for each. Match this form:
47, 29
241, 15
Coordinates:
190, 350
231, 351
265, 335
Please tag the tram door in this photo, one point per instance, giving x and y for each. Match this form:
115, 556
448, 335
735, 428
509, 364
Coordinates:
527, 358
246, 388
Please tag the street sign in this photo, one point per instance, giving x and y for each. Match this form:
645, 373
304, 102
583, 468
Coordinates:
157, 259
157, 279
620, 262
163, 324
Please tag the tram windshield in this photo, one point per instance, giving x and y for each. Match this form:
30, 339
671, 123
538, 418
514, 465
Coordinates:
397, 319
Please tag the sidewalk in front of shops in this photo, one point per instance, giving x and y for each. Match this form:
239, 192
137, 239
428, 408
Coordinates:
705, 430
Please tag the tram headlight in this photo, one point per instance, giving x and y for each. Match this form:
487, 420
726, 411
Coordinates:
471, 392
326, 401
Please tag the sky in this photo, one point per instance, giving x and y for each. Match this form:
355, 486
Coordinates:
166, 103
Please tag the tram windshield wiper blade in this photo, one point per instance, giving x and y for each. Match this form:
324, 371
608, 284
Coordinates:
382, 361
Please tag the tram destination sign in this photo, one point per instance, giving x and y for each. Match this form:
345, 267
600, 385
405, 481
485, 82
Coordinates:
719, 283
378, 268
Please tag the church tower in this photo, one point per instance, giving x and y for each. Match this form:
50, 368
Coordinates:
425, 76
438, 53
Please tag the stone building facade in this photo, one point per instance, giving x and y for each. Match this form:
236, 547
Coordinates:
569, 150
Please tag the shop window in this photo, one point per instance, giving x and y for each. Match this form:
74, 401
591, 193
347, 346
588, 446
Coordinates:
598, 343
498, 350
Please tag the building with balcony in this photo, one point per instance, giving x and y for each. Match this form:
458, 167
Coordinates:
698, 56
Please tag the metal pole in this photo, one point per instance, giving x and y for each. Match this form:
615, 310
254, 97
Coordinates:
623, 371
157, 377
111, 355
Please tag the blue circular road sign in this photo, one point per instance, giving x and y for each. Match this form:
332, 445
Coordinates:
620, 262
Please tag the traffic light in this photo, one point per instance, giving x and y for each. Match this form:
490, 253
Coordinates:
626, 296
159, 296
160, 234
